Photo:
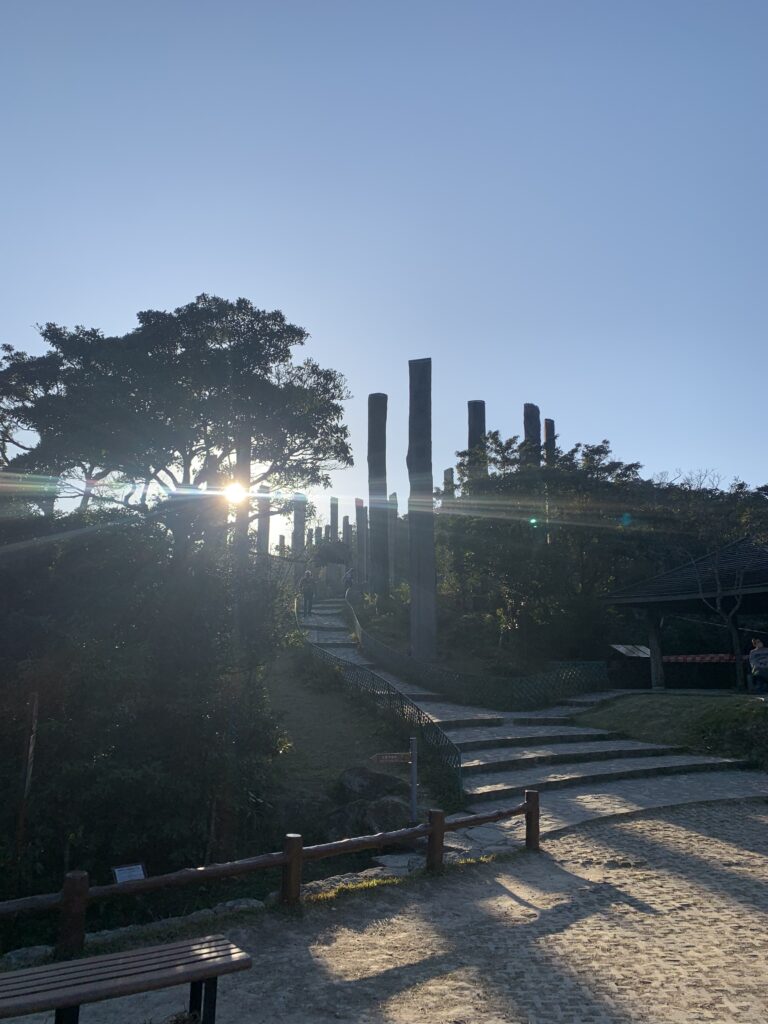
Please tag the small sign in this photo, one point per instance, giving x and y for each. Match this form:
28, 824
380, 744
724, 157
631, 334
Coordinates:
129, 873
404, 758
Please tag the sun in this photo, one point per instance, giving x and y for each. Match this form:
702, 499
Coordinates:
235, 493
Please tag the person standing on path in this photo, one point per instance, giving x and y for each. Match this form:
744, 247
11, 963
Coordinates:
307, 588
758, 663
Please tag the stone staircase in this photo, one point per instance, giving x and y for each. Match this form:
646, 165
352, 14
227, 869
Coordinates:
593, 772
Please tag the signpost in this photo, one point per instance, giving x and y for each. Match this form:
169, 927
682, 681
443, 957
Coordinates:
405, 757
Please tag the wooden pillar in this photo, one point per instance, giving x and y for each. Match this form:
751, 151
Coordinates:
476, 437
297, 538
360, 529
377, 491
392, 537
281, 546
550, 442
654, 642
346, 532
318, 535
449, 485
421, 527
262, 521
74, 903
310, 537
334, 519
327, 533
532, 434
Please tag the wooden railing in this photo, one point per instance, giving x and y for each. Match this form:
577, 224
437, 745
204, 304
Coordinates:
76, 893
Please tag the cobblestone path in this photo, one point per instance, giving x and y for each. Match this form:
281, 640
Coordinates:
661, 919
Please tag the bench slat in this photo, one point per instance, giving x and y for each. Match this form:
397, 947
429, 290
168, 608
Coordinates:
99, 972
207, 942
125, 979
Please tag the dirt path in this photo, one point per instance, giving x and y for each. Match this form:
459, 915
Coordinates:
637, 921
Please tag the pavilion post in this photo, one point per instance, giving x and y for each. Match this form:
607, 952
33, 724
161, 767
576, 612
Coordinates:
653, 620
298, 535
346, 532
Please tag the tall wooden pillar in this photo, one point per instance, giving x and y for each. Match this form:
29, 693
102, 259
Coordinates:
550, 442
392, 536
421, 527
476, 437
334, 520
346, 532
360, 538
377, 490
263, 518
654, 642
449, 485
297, 537
318, 535
532, 434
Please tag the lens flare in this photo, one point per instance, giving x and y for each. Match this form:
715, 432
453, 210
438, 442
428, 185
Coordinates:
235, 493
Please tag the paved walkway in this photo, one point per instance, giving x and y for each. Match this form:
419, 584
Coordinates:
582, 773
661, 919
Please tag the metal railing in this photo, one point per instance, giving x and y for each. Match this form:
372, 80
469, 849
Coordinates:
397, 705
514, 693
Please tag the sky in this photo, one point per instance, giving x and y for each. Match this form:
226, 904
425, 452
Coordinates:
561, 202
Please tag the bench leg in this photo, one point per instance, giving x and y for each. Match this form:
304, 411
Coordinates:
209, 1001
195, 998
67, 1015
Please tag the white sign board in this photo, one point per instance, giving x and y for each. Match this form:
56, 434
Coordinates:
129, 873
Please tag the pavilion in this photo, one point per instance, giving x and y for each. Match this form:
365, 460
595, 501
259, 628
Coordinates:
728, 582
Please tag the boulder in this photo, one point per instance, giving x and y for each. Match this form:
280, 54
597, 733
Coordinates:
28, 956
364, 784
364, 817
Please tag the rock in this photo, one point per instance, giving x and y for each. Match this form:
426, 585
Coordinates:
364, 784
236, 906
199, 915
29, 956
362, 817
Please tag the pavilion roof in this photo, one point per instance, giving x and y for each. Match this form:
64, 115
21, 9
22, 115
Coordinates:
737, 569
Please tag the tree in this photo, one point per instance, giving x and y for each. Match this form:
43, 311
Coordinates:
189, 398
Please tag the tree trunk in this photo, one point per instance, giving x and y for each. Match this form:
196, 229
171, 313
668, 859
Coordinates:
421, 527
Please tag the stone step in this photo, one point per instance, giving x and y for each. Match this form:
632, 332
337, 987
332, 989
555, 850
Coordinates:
499, 758
550, 716
562, 808
458, 716
500, 785
331, 644
507, 735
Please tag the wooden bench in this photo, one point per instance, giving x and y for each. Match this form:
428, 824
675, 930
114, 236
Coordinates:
64, 987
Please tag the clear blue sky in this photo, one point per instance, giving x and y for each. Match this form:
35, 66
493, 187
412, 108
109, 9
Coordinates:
560, 202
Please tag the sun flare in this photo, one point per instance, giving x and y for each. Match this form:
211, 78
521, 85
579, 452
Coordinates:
235, 493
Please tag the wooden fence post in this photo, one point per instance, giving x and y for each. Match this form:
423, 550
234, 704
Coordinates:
74, 903
532, 819
436, 840
290, 891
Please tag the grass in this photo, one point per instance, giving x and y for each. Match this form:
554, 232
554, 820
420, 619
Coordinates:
726, 726
328, 730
